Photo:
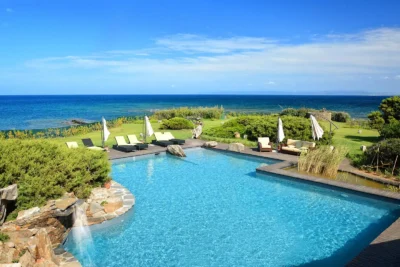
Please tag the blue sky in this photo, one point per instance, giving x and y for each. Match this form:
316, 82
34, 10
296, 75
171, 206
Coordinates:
175, 47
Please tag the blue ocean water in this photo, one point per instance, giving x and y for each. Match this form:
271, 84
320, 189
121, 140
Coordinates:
38, 112
212, 209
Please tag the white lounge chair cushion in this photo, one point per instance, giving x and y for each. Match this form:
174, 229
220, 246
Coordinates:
121, 141
160, 137
264, 141
169, 135
133, 139
72, 144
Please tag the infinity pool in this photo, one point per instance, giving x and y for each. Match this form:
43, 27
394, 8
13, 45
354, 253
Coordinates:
212, 209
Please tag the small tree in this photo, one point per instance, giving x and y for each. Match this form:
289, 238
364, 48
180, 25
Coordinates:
375, 120
390, 108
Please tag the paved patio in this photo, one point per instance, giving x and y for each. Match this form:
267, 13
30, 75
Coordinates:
383, 251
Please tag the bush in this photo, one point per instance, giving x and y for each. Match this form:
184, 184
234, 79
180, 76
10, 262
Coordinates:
185, 112
177, 124
44, 170
391, 130
341, 116
387, 151
375, 120
390, 108
4, 237
256, 126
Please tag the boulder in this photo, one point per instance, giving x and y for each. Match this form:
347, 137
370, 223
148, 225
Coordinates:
237, 147
176, 150
65, 203
9, 193
99, 194
113, 204
24, 214
44, 249
27, 260
95, 207
210, 144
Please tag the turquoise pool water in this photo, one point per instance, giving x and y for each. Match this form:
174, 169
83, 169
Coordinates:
212, 209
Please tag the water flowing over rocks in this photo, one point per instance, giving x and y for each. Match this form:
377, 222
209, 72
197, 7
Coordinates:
8, 196
176, 150
236, 147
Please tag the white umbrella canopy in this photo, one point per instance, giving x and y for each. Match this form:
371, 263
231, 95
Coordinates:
149, 130
281, 134
316, 130
106, 132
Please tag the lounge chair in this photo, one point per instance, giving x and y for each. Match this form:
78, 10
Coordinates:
134, 141
171, 138
72, 144
295, 147
89, 144
161, 140
122, 145
264, 145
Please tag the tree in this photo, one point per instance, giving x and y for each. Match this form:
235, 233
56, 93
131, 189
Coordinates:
375, 120
390, 108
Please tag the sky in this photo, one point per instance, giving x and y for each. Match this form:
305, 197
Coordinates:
200, 47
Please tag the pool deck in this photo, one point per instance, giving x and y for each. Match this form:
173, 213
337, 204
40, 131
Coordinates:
383, 251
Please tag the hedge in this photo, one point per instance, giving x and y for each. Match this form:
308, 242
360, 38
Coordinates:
45, 170
185, 112
256, 126
177, 124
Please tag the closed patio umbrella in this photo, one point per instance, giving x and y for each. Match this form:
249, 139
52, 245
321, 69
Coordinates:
105, 131
148, 131
316, 130
281, 134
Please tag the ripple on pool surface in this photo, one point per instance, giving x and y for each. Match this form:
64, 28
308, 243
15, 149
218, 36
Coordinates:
212, 209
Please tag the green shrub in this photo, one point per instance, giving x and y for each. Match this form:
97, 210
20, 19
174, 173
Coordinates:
375, 120
185, 112
44, 170
390, 108
340, 116
256, 126
391, 129
177, 124
4, 237
382, 154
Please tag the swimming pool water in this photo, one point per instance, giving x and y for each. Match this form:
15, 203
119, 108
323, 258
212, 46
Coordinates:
212, 209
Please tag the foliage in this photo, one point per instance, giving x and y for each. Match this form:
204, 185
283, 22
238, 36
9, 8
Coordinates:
381, 156
257, 126
229, 140
322, 161
4, 237
300, 112
177, 124
390, 108
45, 170
340, 116
186, 112
391, 129
375, 120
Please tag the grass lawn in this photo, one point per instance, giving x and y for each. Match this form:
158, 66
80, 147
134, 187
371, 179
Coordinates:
350, 138
344, 136
126, 129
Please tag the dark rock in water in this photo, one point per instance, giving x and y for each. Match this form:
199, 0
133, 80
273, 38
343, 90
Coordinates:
76, 121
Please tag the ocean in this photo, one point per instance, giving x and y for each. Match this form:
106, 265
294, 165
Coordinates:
38, 112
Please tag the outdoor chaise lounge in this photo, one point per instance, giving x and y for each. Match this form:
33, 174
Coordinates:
171, 138
264, 145
122, 145
161, 140
72, 144
134, 141
89, 144
295, 147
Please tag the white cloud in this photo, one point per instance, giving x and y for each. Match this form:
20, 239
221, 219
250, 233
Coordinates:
339, 57
9, 10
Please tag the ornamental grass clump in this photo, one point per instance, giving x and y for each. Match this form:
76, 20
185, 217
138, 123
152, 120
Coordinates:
323, 161
44, 170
